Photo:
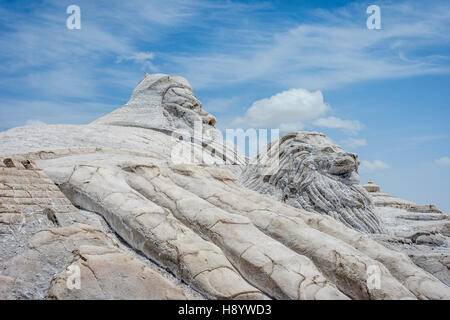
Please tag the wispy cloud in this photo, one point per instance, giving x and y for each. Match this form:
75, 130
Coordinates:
337, 123
336, 50
428, 138
444, 161
41, 61
354, 143
142, 58
373, 165
16, 112
35, 122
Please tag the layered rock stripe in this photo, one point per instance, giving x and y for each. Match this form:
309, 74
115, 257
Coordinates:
39, 239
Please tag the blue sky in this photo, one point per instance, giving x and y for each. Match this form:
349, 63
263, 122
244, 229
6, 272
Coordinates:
294, 65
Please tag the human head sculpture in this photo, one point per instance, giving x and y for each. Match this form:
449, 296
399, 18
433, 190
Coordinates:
166, 103
162, 102
317, 175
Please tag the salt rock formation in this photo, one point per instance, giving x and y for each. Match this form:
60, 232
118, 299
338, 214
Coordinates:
161, 102
421, 231
42, 234
167, 104
193, 219
314, 174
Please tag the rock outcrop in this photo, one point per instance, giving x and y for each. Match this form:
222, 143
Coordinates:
420, 231
195, 219
161, 102
42, 234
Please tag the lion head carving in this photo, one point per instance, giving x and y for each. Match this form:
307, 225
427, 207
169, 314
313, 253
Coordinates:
316, 175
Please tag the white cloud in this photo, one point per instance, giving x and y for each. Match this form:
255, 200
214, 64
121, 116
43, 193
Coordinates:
138, 57
291, 126
354, 142
373, 165
34, 122
142, 58
444, 161
288, 110
337, 123
293, 110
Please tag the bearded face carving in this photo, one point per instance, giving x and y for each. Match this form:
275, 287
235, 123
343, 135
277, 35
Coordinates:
316, 175
161, 102
179, 102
